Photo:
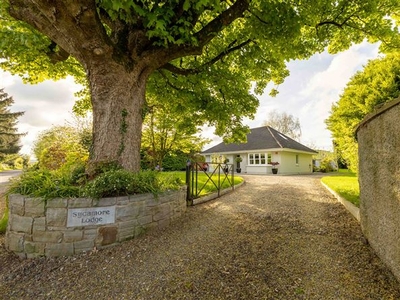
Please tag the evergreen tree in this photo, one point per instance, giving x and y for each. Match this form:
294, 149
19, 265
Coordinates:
9, 137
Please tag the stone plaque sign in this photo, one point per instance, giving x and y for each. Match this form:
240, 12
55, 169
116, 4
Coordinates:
91, 216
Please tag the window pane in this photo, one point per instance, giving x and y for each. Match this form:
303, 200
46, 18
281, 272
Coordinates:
269, 158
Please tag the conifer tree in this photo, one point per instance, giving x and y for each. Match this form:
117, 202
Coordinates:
9, 136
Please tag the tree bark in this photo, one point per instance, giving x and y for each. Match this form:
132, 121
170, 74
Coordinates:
118, 99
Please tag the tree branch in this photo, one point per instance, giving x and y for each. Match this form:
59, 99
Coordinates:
56, 55
58, 18
177, 70
205, 35
333, 22
168, 82
258, 18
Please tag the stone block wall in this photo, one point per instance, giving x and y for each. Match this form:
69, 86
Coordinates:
379, 176
42, 228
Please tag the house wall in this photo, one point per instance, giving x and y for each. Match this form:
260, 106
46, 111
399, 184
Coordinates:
257, 169
379, 178
288, 163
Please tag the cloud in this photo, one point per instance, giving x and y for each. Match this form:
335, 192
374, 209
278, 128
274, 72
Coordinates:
6, 79
325, 87
311, 88
45, 104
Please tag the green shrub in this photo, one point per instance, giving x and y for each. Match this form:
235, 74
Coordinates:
122, 183
44, 184
30, 182
176, 162
74, 183
47, 184
327, 165
78, 174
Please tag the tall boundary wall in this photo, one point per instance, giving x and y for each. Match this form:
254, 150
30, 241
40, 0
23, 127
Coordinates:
378, 138
64, 227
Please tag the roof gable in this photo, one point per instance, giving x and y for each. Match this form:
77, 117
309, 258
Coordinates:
261, 138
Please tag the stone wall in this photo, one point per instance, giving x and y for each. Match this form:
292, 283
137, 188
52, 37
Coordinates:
61, 227
379, 176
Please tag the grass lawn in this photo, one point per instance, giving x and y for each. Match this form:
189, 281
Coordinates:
202, 179
344, 183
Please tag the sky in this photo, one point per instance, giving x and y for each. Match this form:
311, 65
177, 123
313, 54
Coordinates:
308, 94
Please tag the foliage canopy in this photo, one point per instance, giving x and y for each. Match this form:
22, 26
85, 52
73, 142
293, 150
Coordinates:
377, 83
205, 54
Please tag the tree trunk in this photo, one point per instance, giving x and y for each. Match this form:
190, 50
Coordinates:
118, 98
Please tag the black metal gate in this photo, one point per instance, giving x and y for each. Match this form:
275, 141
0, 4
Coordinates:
216, 174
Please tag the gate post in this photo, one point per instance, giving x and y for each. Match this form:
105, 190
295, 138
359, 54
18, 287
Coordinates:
189, 199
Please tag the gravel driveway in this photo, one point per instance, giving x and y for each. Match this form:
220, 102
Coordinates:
276, 237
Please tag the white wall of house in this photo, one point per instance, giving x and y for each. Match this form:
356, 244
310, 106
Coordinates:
289, 162
293, 163
257, 169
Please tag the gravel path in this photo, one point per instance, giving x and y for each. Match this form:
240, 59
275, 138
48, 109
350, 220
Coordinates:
276, 237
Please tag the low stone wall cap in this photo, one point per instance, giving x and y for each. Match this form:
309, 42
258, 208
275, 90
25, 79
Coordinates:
386, 106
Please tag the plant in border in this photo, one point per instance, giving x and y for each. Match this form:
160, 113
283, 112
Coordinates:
112, 182
274, 164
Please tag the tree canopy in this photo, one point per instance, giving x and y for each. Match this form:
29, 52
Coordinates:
377, 83
205, 54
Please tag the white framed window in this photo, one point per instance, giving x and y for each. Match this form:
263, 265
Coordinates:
259, 158
297, 159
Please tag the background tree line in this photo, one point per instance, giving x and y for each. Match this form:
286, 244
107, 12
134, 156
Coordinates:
368, 89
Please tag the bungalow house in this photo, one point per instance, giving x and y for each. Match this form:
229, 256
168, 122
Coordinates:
264, 148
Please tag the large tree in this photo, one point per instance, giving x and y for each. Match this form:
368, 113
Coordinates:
9, 136
208, 52
284, 123
377, 83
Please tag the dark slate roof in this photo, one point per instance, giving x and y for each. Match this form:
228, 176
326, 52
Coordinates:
261, 138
